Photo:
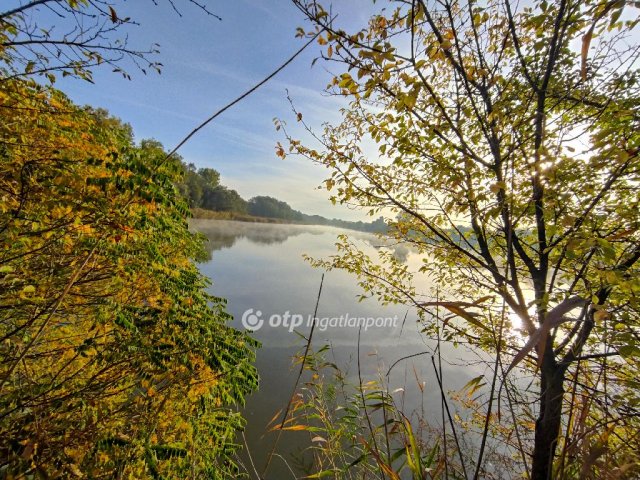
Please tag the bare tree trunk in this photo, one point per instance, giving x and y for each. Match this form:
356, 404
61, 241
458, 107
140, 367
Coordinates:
550, 417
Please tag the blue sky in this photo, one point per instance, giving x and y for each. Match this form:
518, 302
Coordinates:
206, 64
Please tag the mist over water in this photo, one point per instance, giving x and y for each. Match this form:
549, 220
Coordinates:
260, 267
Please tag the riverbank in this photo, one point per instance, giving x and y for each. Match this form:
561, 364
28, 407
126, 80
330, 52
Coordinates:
376, 226
202, 213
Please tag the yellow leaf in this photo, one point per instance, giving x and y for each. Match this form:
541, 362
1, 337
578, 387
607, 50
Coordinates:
600, 315
295, 428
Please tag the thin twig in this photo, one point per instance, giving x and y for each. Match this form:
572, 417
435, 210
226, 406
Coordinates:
405, 358
453, 427
494, 380
246, 447
242, 97
444, 424
366, 413
295, 386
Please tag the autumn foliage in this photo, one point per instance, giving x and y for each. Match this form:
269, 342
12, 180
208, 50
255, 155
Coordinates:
500, 140
114, 360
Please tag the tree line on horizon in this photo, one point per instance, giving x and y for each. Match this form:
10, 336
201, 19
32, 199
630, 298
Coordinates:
201, 187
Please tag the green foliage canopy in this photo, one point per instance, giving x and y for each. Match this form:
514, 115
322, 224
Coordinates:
508, 150
114, 359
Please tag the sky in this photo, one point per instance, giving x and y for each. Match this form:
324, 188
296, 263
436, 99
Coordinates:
207, 63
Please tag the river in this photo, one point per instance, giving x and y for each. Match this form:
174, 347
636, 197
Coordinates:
260, 270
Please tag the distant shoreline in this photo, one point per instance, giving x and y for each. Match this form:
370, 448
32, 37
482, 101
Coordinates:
204, 214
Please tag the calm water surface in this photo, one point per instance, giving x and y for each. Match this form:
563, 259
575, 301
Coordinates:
261, 267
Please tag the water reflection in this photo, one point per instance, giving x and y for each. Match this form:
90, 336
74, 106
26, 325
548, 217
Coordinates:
260, 267
223, 234
399, 252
